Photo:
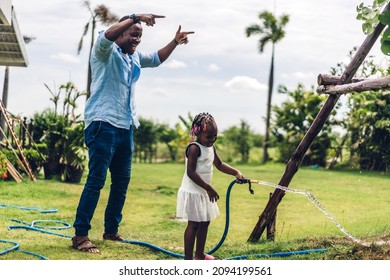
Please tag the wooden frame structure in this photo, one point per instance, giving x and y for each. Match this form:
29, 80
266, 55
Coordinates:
334, 86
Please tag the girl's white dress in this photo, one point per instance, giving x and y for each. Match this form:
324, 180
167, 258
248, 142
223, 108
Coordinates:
193, 203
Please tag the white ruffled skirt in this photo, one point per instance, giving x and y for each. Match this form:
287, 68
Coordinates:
195, 206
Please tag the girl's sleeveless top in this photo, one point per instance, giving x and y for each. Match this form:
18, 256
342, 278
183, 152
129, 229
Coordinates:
193, 203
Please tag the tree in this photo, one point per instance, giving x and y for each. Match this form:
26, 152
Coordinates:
100, 13
169, 137
241, 139
368, 124
145, 141
293, 118
183, 129
371, 16
271, 30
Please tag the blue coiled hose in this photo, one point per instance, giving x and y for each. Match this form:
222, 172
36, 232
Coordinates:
16, 249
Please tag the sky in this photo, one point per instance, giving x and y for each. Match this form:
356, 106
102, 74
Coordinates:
219, 71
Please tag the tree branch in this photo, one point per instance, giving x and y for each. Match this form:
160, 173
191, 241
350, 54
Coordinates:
364, 85
327, 79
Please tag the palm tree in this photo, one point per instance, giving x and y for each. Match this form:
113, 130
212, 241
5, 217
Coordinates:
100, 13
270, 30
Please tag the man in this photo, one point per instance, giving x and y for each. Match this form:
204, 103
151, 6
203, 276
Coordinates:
110, 116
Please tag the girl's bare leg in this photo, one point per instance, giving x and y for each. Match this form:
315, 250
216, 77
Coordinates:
189, 239
201, 237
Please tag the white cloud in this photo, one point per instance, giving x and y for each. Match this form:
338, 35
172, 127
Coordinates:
213, 67
66, 57
245, 83
159, 92
301, 75
174, 64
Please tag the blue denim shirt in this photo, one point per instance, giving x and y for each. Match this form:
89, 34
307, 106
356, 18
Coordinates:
114, 76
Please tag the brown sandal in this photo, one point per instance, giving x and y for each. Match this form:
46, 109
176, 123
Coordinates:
83, 244
113, 237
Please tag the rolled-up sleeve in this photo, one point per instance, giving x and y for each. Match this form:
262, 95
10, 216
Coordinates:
103, 47
149, 59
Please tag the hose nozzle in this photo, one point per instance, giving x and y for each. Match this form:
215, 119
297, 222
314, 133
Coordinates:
246, 181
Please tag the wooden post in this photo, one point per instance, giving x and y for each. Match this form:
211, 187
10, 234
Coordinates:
30, 130
294, 162
271, 228
23, 125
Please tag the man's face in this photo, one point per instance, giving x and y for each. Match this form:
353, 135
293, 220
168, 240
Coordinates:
130, 39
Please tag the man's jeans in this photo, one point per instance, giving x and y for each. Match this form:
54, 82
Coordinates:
109, 148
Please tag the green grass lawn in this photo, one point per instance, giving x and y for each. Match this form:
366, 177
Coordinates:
359, 201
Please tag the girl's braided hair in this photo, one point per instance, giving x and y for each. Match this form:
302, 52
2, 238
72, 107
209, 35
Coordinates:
200, 124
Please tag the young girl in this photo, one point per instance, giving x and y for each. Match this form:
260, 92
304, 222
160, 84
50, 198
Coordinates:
196, 199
